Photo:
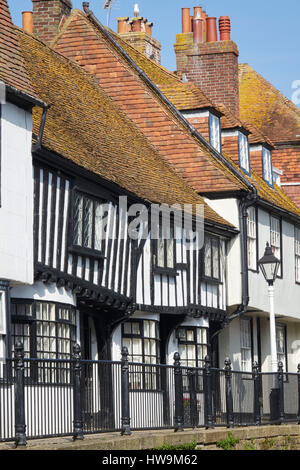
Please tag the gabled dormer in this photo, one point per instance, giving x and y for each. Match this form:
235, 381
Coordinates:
207, 122
235, 140
261, 155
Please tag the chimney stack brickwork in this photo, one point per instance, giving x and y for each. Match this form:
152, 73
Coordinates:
48, 17
213, 66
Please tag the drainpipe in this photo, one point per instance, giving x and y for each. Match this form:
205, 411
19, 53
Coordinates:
38, 143
245, 203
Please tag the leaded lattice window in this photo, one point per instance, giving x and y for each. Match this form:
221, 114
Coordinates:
88, 222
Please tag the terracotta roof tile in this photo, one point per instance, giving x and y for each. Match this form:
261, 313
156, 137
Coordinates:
201, 168
12, 71
267, 108
84, 125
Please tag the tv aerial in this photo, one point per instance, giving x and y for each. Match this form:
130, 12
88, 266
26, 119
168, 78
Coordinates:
108, 5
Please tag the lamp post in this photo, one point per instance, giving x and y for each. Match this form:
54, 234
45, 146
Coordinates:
269, 266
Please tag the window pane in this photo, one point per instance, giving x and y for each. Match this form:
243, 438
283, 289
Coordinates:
267, 166
190, 335
207, 258
244, 152
127, 328
78, 215
160, 253
215, 251
87, 223
170, 253
2, 314
99, 214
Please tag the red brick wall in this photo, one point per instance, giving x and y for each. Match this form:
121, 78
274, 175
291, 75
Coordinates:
214, 68
293, 192
230, 146
201, 124
288, 160
256, 161
48, 16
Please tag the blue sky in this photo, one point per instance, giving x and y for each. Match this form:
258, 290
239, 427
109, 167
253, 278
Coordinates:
267, 32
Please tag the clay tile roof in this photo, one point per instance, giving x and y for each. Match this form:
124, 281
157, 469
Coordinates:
184, 96
267, 108
275, 195
12, 70
230, 121
85, 126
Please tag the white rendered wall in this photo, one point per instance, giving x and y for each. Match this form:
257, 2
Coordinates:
172, 347
45, 293
287, 292
229, 210
16, 211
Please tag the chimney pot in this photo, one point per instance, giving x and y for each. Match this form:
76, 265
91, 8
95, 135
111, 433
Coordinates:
149, 28
198, 30
197, 12
123, 26
211, 29
27, 18
224, 28
186, 21
136, 24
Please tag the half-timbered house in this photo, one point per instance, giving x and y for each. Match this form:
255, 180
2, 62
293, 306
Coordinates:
215, 158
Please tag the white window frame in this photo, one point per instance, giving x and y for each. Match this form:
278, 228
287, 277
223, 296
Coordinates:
215, 131
246, 344
281, 355
244, 153
252, 238
267, 166
275, 239
297, 254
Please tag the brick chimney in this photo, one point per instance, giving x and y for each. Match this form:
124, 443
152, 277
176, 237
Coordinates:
211, 64
137, 31
49, 16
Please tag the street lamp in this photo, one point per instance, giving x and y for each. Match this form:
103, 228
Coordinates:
269, 266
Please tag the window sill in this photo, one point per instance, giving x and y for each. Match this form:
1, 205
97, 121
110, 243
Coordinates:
79, 250
211, 280
165, 271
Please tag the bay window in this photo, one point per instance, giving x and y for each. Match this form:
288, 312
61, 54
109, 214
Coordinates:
141, 337
244, 153
47, 330
252, 238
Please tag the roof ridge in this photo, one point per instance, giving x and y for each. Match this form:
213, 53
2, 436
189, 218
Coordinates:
106, 107
286, 100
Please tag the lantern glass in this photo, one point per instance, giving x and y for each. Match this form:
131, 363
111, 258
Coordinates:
269, 265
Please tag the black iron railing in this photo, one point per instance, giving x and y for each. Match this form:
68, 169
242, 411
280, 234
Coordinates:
50, 397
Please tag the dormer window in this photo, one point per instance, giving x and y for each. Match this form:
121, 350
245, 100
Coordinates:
215, 132
267, 166
244, 153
